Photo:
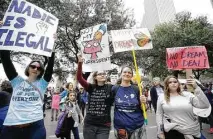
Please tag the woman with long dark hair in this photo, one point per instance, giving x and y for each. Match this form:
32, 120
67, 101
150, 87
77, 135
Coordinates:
24, 119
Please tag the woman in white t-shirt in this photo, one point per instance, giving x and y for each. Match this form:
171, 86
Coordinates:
24, 119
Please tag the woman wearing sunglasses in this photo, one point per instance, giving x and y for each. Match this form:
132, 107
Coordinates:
24, 119
174, 116
97, 121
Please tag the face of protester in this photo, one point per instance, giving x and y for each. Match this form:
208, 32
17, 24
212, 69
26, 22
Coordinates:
70, 87
101, 76
173, 84
34, 69
81, 89
156, 83
126, 74
72, 96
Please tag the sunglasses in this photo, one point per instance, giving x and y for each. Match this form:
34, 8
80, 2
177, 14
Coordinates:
35, 67
173, 82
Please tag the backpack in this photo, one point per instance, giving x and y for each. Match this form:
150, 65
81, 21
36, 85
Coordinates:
135, 88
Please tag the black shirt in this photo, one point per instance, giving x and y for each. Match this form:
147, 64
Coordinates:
100, 100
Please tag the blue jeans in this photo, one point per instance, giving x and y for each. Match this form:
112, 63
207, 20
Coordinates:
35, 130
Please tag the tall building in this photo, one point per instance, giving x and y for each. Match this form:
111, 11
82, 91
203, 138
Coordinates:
156, 12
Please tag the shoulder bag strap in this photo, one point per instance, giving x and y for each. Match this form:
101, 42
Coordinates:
41, 96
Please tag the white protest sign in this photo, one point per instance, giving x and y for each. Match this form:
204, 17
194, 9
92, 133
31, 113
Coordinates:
95, 48
28, 28
129, 39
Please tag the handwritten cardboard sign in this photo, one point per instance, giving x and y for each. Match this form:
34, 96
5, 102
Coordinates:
28, 28
129, 39
192, 57
95, 48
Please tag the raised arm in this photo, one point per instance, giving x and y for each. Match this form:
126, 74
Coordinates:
80, 78
9, 68
199, 99
49, 70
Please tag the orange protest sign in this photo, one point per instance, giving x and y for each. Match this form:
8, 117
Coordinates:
192, 57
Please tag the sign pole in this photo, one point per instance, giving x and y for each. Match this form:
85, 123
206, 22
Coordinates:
140, 86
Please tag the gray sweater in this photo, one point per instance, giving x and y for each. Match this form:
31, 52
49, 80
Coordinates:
180, 111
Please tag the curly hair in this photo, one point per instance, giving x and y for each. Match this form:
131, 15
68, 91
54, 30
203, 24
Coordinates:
166, 88
6, 86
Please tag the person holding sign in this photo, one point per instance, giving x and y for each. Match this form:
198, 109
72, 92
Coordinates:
24, 119
97, 121
175, 118
128, 115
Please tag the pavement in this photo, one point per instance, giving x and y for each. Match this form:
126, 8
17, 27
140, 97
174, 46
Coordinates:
151, 128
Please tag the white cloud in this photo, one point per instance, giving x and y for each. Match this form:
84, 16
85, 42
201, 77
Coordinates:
196, 7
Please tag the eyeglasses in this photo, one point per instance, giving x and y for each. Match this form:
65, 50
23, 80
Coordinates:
35, 67
101, 74
173, 82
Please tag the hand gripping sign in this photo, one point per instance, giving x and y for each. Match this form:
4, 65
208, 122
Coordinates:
28, 28
131, 40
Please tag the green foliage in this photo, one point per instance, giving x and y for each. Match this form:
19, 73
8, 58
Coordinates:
183, 31
75, 15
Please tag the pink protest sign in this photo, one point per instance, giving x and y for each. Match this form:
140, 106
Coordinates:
55, 101
192, 57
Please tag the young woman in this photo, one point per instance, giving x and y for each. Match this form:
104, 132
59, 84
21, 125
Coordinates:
175, 117
128, 116
24, 119
97, 121
73, 114
63, 95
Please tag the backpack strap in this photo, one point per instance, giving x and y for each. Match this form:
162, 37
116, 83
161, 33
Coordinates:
137, 91
115, 90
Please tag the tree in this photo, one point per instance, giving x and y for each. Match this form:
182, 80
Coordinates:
183, 31
75, 15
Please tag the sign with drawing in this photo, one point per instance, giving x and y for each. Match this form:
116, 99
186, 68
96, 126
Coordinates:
95, 48
28, 28
129, 39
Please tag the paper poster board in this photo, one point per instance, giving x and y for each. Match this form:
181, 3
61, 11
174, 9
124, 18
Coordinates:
128, 39
192, 57
95, 48
28, 28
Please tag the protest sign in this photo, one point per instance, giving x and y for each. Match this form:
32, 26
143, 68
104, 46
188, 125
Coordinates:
192, 57
28, 28
129, 39
95, 48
